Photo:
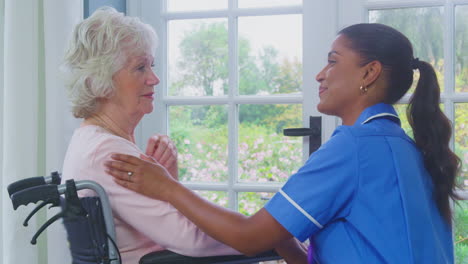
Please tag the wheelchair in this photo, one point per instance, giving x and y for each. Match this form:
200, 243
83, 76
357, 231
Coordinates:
90, 226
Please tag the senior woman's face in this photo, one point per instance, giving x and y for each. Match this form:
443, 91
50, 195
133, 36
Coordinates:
134, 85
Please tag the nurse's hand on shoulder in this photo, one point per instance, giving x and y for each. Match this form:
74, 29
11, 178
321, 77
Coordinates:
148, 177
163, 150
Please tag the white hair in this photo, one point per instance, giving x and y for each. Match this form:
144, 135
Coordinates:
100, 46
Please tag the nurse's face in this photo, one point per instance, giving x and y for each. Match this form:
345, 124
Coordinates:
340, 81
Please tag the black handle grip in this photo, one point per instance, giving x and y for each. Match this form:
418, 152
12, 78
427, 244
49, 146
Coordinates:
298, 132
24, 184
35, 194
314, 133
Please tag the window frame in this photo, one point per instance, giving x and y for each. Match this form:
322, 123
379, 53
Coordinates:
312, 12
339, 13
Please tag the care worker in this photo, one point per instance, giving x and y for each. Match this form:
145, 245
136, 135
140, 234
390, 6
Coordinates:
370, 194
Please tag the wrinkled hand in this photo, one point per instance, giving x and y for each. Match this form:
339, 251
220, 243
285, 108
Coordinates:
148, 176
162, 149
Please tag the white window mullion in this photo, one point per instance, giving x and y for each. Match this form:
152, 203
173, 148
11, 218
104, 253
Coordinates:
403, 4
235, 12
457, 97
196, 15
237, 99
162, 109
286, 10
449, 38
233, 112
449, 52
239, 187
350, 12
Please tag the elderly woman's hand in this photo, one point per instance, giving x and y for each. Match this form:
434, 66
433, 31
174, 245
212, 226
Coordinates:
143, 175
162, 149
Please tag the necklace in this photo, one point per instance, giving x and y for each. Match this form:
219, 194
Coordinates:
108, 124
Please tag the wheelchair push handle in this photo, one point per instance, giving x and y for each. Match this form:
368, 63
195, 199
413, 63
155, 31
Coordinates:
46, 193
24, 184
17, 186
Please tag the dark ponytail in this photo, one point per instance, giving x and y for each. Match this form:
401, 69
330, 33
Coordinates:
432, 131
431, 128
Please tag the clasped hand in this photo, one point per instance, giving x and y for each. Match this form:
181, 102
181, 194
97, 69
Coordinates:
162, 149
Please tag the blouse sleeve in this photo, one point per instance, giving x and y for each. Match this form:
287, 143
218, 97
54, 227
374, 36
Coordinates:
156, 219
321, 191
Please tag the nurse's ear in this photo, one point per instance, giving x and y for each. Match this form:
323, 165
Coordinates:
372, 72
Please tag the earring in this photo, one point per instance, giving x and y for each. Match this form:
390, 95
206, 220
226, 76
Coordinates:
363, 89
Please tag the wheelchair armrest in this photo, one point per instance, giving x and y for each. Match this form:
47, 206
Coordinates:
169, 257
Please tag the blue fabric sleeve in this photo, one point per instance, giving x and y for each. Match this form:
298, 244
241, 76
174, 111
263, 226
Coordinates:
321, 191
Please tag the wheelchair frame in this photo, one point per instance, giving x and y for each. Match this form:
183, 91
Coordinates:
49, 190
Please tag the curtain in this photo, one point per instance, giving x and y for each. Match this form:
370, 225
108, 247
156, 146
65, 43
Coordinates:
36, 123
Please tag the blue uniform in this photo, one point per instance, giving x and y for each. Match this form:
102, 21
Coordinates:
365, 197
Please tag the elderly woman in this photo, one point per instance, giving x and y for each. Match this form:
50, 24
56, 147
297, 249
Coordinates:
111, 85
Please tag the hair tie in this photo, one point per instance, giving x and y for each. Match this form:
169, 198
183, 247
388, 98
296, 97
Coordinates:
415, 63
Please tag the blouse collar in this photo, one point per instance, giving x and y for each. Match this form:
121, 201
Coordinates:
380, 110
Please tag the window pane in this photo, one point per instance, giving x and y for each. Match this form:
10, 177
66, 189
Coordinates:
191, 5
461, 141
461, 232
268, 3
198, 57
424, 28
265, 155
217, 197
251, 202
461, 48
270, 54
200, 134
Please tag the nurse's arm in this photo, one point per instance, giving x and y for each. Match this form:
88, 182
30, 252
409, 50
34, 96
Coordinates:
249, 235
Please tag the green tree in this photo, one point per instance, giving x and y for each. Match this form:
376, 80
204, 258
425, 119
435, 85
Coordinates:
204, 57
289, 78
422, 26
461, 48
203, 63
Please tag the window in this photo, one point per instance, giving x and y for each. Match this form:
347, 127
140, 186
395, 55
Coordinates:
225, 101
231, 82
